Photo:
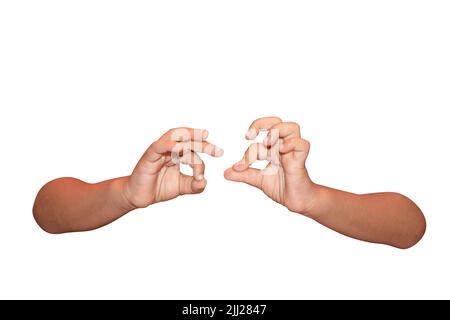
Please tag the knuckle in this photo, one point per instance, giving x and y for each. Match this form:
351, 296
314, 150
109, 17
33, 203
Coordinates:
168, 132
177, 133
307, 144
276, 121
153, 145
293, 125
254, 123
296, 141
275, 118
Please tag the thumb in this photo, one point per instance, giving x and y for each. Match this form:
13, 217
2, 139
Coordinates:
189, 185
250, 176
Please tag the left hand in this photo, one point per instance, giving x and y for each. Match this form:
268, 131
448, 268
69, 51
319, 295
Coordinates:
285, 179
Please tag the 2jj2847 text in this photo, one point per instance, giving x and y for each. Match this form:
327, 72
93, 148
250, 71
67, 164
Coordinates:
241, 309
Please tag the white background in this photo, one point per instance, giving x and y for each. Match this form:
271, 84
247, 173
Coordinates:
86, 86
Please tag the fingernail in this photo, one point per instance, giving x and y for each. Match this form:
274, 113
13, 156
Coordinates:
200, 177
205, 134
251, 134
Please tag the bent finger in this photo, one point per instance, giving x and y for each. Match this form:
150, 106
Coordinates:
261, 124
295, 144
161, 147
283, 130
203, 147
186, 134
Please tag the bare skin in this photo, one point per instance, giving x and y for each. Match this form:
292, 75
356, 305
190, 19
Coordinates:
68, 204
387, 218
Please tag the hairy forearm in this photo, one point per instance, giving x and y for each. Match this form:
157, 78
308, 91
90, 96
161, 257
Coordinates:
68, 204
387, 218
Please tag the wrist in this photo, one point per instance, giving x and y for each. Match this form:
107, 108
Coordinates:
311, 206
122, 194
319, 200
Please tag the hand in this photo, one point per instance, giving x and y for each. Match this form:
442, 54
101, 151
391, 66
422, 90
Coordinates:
157, 175
285, 179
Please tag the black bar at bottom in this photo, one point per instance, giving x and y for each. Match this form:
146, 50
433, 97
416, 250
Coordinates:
213, 309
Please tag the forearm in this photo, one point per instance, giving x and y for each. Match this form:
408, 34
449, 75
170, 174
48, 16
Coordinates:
388, 218
68, 204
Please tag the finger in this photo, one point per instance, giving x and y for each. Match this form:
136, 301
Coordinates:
188, 185
186, 134
295, 144
162, 147
260, 125
256, 151
284, 130
203, 147
196, 163
251, 176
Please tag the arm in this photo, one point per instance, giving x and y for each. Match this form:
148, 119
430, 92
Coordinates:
68, 204
387, 218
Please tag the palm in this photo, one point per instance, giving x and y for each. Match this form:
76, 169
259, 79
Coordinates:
160, 182
290, 184
168, 184
273, 184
